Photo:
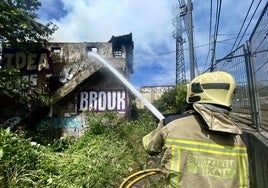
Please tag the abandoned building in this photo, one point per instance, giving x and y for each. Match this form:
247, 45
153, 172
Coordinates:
152, 93
75, 81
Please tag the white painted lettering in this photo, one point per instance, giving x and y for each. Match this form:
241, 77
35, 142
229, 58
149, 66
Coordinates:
31, 62
102, 101
9, 58
30, 78
93, 96
20, 60
43, 62
121, 101
111, 99
83, 101
33, 79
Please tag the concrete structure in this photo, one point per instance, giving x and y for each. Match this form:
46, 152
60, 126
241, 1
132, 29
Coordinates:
152, 93
257, 145
76, 82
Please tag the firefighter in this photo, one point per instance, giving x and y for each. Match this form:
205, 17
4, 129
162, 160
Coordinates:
203, 147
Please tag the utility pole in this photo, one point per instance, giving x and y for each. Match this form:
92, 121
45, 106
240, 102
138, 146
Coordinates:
191, 40
185, 14
180, 63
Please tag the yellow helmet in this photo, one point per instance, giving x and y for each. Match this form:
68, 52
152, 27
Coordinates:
213, 87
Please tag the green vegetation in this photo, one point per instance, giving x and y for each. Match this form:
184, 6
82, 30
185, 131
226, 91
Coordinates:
18, 25
109, 151
20, 29
13, 87
173, 100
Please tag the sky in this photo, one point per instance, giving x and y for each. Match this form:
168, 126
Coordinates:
151, 23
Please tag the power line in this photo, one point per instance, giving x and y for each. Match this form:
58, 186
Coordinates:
171, 52
242, 24
210, 30
260, 43
216, 28
249, 22
245, 29
156, 55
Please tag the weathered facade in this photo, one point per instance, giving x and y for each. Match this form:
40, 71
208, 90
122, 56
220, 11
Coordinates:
152, 93
76, 81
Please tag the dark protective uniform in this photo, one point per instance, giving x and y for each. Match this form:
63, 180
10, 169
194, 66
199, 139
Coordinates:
203, 149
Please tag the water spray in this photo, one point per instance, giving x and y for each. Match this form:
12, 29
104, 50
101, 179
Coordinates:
129, 86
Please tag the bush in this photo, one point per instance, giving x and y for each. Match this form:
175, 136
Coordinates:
19, 159
173, 101
109, 151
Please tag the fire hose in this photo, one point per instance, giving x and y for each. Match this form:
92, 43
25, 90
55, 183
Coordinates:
137, 176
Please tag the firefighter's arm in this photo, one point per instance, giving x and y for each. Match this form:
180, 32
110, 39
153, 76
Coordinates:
153, 142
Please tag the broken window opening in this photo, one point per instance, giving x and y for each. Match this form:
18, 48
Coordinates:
56, 49
92, 49
118, 53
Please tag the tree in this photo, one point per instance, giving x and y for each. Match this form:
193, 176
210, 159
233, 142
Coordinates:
18, 25
172, 101
18, 29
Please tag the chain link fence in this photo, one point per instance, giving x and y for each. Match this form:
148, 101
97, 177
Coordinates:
259, 57
249, 66
235, 64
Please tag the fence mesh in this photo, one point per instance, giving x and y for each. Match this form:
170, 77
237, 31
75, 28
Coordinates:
235, 64
250, 104
259, 50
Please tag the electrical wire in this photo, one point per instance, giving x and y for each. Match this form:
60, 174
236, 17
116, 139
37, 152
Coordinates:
249, 22
172, 52
216, 28
237, 46
156, 55
242, 24
260, 43
210, 29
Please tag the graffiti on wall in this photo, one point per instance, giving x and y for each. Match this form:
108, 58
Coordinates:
69, 71
30, 64
73, 122
99, 101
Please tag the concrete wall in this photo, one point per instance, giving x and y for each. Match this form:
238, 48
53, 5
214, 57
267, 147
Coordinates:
257, 146
68, 75
152, 94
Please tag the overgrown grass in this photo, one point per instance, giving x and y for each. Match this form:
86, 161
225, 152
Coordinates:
110, 150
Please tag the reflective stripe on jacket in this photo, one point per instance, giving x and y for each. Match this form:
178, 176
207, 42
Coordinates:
194, 156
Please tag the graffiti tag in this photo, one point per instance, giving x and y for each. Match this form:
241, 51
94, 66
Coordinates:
100, 101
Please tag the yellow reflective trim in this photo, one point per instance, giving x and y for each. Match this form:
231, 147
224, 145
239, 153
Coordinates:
242, 172
175, 166
179, 166
177, 145
172, 164
145, 142
207, 147
203, 143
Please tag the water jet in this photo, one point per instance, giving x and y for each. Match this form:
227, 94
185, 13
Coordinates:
128, 85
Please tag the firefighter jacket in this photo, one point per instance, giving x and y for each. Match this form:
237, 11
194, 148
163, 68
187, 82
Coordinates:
202, 149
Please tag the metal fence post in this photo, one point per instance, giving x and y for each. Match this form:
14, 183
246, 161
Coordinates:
253, 92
